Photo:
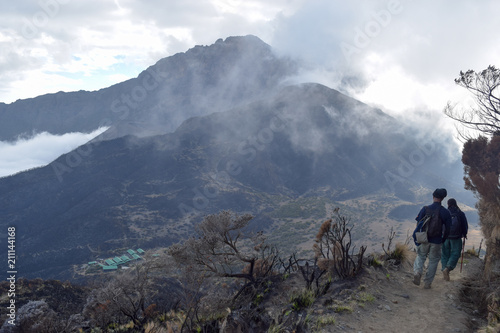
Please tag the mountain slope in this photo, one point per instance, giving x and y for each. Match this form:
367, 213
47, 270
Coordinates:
301, 141
200, 81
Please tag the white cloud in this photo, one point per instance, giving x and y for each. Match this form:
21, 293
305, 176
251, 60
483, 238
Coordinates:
400, 55
39, 150
425, 43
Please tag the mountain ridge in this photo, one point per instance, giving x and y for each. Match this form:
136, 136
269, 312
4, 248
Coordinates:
157, 92
150, 191
243, 140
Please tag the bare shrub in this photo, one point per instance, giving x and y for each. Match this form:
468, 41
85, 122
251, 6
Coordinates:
400, 252
129, 295
222, 249
333, 247
311, 273
37, 316
223, 252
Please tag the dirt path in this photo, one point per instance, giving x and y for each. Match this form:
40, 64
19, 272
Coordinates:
400, 306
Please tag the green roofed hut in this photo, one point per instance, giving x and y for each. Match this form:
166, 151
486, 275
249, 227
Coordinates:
110, 268
110, 262
118, 260
131, 252
140, 251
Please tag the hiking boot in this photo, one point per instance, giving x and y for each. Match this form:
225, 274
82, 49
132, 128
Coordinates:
446, 274
416, 278
427, 286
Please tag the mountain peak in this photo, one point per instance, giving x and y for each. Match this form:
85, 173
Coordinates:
230, 71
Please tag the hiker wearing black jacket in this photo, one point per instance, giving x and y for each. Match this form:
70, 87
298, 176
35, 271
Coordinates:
432, 249
452, 246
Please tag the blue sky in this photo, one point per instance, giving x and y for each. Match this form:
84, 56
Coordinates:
399, 55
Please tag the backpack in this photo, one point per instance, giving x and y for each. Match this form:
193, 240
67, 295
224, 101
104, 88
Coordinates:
429, 226
455, 231
420, 233
434, 225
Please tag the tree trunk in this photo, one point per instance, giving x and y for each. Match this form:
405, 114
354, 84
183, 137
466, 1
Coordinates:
492, 257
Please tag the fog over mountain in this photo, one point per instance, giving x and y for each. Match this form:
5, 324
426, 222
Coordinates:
203, 80
37, 150
217, 127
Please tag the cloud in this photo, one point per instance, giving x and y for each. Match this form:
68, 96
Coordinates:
88, 39
398, 55
39, 150
392, 45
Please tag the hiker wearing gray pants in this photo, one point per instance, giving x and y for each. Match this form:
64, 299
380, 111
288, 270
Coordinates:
436, 234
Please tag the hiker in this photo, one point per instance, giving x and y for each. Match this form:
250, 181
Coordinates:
452, 246
436, 236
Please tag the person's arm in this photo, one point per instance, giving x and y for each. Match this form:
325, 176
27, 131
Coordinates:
420, 215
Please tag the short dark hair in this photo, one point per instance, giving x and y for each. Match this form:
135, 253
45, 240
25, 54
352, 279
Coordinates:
440, 193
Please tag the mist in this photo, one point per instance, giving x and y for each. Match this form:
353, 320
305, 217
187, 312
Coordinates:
39, 150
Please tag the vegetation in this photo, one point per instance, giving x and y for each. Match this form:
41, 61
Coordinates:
481, 159
324, 320
400, 252
307, 207
302, 300
333, 248
223, 276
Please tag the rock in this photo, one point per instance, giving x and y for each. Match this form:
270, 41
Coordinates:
319, 311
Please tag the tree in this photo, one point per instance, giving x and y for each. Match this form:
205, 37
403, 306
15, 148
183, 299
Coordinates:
128, 296
222, 249
484, 87
481, 159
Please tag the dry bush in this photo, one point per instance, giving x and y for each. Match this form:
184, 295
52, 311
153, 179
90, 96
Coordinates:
334, 249
129, 296
223, 253
223, 249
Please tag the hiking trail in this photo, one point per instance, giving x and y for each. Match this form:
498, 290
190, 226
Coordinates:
401, 306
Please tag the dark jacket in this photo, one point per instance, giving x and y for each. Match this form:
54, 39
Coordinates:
462, 220
445, 217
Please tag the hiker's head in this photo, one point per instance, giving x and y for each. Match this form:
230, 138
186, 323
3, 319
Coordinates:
439, 194
452, 203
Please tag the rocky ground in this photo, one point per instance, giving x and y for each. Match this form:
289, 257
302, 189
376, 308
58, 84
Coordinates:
384, 299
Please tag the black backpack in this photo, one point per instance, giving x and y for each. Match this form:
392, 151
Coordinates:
435, 225
455, 231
